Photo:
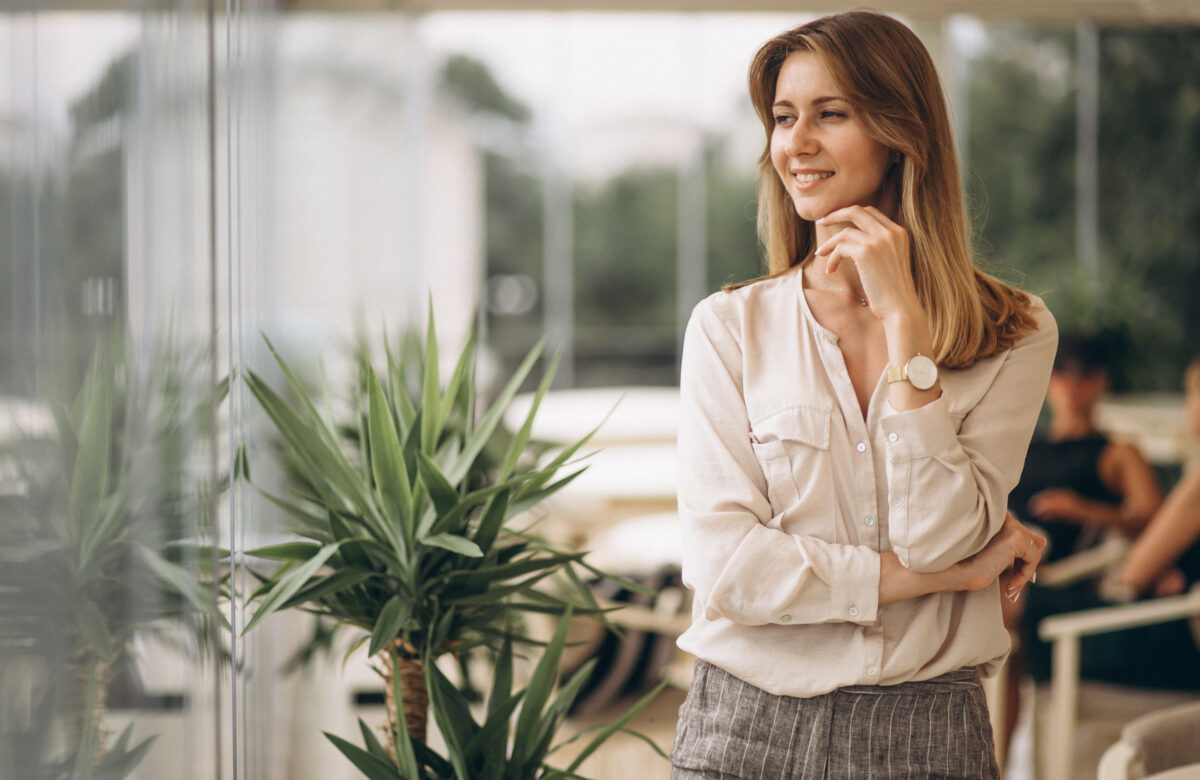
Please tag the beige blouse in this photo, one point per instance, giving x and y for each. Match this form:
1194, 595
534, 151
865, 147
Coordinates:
787, 496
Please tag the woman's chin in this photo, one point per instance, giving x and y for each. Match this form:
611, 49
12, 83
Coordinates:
807, 212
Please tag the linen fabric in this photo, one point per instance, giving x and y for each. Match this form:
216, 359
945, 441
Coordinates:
934, 729
787, 495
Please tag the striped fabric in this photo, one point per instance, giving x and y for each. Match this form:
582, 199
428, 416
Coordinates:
933, 729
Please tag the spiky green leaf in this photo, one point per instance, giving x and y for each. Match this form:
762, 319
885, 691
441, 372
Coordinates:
395, 613
537, 693
455, 544
370, 765
286, 586
387, 465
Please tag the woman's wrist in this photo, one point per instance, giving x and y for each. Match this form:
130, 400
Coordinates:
897, 583
907, 335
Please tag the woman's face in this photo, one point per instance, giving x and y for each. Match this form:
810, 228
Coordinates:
820, 148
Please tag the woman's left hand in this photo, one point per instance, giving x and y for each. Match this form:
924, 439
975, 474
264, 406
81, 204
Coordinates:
879, 248
1012, 556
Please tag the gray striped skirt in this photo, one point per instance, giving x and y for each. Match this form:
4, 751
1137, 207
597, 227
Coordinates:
937, 728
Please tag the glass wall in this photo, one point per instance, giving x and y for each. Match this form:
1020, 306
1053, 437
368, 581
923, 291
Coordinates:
113, 657
130, 168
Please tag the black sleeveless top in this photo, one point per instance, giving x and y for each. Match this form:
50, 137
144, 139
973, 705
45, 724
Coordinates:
1074, 464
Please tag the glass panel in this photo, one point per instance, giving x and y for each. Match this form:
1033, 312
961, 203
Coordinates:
109, 642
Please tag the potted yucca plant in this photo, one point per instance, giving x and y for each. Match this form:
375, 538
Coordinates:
407, 537
515, 738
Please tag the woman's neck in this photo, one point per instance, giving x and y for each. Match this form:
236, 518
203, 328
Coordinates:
1070, 427
845, 279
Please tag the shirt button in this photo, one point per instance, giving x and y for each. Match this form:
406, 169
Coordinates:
871, 671
870, 520
786, 618
861, 447
895, 502
853, 611
893, 437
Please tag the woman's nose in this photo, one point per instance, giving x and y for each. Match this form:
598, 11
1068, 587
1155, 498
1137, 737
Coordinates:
800, 140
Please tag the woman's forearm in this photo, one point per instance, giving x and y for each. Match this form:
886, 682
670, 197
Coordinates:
1175, 528
1015, 550
897, 583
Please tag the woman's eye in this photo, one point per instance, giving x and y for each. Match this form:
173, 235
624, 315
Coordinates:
782, 119
831, 114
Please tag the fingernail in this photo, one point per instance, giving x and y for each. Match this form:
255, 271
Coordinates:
820, 220
1034, 577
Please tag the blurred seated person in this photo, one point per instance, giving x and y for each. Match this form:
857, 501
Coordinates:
1076, 482
1076, 485
1165, 559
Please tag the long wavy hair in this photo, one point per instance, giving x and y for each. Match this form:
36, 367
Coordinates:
888, 77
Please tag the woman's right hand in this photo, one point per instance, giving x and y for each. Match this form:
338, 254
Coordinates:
1012, 556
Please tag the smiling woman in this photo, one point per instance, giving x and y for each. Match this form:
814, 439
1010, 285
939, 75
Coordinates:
850, 427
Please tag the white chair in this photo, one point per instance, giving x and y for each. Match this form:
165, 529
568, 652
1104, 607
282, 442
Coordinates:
1164, 743
1064, 633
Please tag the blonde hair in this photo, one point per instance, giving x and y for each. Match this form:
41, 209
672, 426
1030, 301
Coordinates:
888, 77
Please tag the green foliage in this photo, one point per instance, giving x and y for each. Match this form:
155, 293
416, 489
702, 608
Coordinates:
408, 538
108, 504
734, 253
1021, 182
625, 248
472, 82
514, 739
97, 544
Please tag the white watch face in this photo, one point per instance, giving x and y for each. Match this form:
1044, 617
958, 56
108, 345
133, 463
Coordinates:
922, 372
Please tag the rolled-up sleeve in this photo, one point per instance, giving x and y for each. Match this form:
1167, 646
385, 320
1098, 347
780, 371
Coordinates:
741, 567
948, 489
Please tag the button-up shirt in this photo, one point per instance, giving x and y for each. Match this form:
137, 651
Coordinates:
787, 496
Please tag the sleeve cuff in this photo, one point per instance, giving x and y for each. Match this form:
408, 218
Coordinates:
918, 433
854, 584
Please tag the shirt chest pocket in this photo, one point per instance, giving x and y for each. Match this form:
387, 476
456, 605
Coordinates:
792, 447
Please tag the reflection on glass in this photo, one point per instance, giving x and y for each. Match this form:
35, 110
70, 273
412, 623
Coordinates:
109, 636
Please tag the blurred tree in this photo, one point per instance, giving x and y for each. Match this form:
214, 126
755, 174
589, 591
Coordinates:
1020, 182
625, 263
1150, 195
734, 253
513, 229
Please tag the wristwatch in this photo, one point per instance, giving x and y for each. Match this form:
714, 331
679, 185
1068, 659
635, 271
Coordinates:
920, 371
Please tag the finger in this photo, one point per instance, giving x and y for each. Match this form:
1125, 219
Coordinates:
845, 239
883, 219
1025, 565
1026, 557
860, 217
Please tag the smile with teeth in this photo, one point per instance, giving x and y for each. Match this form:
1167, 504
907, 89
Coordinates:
805, 178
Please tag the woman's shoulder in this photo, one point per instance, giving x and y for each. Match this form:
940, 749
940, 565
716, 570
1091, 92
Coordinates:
1044, 336
1043, 316
732, 303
